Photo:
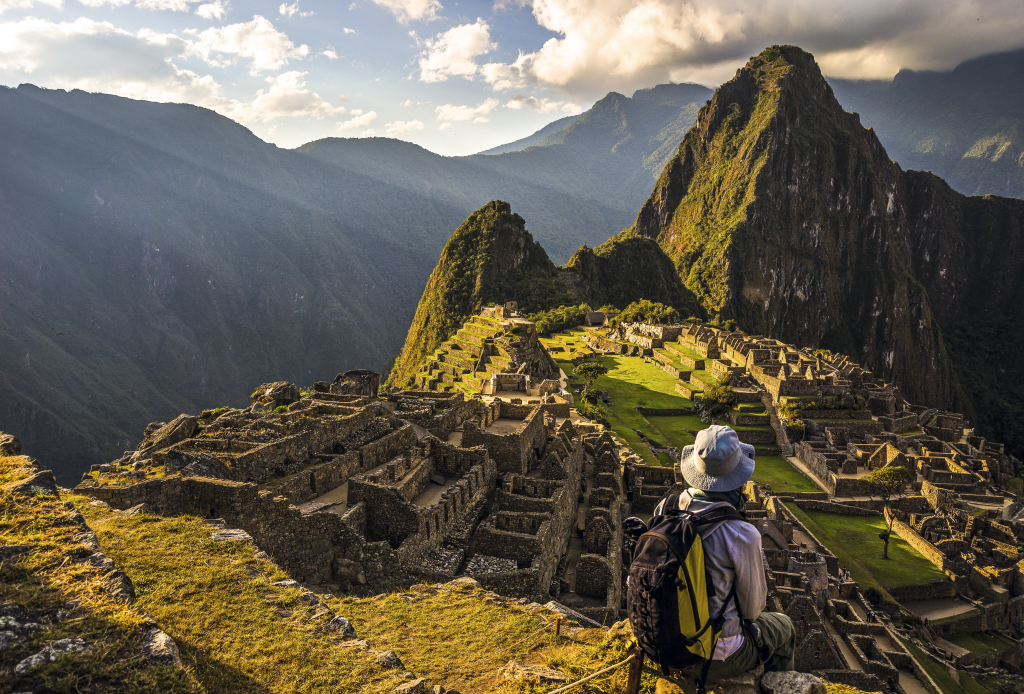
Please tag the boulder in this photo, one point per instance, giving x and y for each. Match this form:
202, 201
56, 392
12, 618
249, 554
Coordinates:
50, 654
206, 465
515, 670
342, 626
278, 393
160, 649
175, 431
413, 687
348, 570
137, 510
389, 660
464, 583
437, 479
232, 535
117, 584
286, 583
9, 445
357, 382
41, 482
791, 683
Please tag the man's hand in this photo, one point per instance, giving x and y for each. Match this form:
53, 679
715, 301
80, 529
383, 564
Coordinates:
634, 527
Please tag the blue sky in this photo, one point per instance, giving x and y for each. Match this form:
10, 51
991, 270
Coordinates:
459, 77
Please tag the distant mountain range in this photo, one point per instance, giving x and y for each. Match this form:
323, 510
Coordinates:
965, 125
160, 258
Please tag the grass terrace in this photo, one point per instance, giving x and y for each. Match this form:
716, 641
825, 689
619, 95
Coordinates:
855, 541
780, 476
941, 676
239, 635
981, 642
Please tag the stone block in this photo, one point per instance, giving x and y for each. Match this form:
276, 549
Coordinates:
791, 683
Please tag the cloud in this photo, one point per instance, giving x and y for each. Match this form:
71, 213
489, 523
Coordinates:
406, 10
454, 52
25, 4
172, 5
213, 10
329, 53
99, 57
407, 103
258, 40
349, 31
358, 120
518, 101
286, 98
401, 127
450, 113
625, 44
286, 10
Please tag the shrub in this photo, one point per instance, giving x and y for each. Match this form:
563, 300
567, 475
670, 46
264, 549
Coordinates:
873, 595
281, 409
557, 319
718, 399
795, 430
645, 311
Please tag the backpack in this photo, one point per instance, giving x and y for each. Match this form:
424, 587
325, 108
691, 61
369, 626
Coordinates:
669, 589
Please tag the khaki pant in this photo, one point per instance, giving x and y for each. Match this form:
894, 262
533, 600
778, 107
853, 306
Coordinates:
777, 636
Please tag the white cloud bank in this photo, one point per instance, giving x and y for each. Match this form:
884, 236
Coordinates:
454, 52
358, 119
401, 127
99, 57
519, 101
408, 10
625, 44
25, 4
450, 113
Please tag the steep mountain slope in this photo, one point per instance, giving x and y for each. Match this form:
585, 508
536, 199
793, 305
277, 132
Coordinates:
626, 268
490, 258
578, 185
780, 210
534, 139
160, 258
965, 125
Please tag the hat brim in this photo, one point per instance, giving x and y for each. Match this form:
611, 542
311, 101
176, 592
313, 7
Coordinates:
735, 479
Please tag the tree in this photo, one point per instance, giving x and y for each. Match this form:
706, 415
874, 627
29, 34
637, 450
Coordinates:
589, 371
888, 482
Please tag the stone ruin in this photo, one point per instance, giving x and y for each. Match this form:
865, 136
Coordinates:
361, 494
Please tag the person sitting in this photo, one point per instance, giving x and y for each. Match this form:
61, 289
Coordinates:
716, 468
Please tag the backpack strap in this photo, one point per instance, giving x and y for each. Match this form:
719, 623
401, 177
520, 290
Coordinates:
718, 623
671, 503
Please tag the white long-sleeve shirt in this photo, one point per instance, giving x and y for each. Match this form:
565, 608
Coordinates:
732, 554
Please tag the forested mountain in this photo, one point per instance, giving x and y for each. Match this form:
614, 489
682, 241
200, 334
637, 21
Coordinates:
965, 125
783, 212
160, 258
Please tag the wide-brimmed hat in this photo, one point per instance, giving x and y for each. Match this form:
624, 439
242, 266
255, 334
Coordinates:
717, 461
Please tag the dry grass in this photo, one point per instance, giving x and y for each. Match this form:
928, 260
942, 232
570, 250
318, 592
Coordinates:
49, 577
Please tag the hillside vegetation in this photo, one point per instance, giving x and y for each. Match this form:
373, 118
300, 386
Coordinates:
782, 212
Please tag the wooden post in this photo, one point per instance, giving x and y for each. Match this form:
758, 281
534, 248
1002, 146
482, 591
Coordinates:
558, 626
636, 668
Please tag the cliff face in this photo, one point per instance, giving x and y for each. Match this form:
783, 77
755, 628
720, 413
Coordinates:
490, 258
625, 268
780, 210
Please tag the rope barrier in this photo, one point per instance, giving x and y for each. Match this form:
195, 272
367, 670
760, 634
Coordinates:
590, 677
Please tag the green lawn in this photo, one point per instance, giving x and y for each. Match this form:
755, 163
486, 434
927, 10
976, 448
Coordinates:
981, 642
632, 382
780, 476
854, 540
941, 676
1014, 485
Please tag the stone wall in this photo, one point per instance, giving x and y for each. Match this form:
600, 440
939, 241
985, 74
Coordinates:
304, 546
831, 507
387, 447
593, 576
511, 452
319, 478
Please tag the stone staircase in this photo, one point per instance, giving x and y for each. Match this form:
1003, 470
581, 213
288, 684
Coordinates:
466, 360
